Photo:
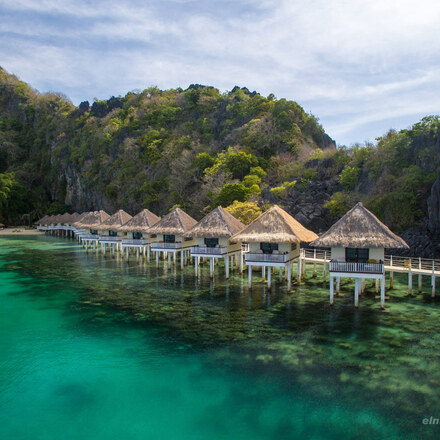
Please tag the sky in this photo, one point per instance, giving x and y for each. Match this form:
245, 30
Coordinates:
360, 66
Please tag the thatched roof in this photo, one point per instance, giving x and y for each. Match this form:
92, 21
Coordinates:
42, 220
359, 228
56, 219
92, 219
177, 222
140, 222
274, 226
216, 224
118, 219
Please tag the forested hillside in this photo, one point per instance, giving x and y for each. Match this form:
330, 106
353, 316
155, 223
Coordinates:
199, 148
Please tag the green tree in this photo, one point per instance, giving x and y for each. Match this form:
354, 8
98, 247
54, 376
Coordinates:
230, 193
246, 212
349, 177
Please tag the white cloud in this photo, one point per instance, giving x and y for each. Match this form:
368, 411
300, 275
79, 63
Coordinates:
351, 63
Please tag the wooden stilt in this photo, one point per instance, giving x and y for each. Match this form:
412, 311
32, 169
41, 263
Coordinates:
338, 284
433, 281
263, 272
250, 276
377, 285
211, 267
410, 278
269, 277
324, 274
227, 267
299, 270
182, 259
332, 285
391, 279
157, 259
356, 291
289, 276
382, 292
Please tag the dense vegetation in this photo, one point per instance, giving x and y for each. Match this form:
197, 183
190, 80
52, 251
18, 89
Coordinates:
198, 148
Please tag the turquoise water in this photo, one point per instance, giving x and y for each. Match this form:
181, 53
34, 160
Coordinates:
98, 347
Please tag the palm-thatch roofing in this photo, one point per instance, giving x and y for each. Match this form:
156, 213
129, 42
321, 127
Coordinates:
140, 222
42, 220
274, 226
92, 219
359, 228
177, 222
115, 221
56, 219
218, 223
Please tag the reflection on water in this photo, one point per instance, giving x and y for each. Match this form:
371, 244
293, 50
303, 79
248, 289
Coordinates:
301, 367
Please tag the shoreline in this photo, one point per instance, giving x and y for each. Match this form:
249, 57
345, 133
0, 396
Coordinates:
20, 230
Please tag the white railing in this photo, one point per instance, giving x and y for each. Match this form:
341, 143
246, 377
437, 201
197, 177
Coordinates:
315, 254
205, 250
107, 238
134, 242
412, 262
269, 258
158, 245
356, 267
89, 237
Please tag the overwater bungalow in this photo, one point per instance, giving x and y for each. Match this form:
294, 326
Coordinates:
212, 235
358, 242
274, 242
167, 236
136, 233
65, 223
109, 233
88, 227
42, 223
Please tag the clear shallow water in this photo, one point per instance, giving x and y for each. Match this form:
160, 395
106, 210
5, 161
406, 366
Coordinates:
94, 347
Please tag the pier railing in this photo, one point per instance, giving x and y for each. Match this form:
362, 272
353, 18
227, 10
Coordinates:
89, 237
134, 242
412, 263
336, 266
266, 258
205, 250
107, 238
164, 246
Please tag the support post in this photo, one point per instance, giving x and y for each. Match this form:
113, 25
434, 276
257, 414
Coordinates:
338, 285
382, 292
433, 280
250, 276
269, 277
196, 267
324, 274
410, 278
227, 266
377, 285
211, 267
332, 285
289, 276
263, 272
157, 259
356, 292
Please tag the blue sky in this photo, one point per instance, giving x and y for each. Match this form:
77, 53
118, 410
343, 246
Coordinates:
360, 66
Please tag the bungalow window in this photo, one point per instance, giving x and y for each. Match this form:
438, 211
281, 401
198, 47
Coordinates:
356, 255
93, 231
137, 235
169, 238
112, 234
268, 248
211, 242
293, 246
